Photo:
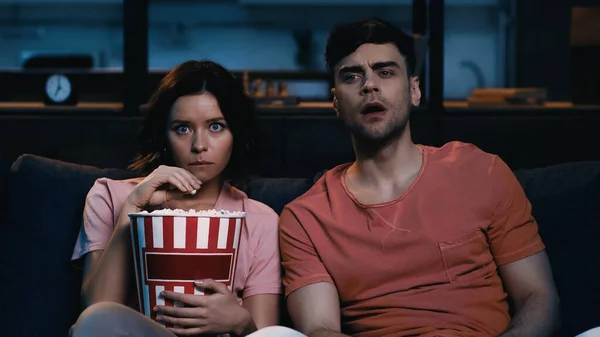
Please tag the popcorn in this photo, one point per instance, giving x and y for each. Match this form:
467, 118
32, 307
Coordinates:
193, 192
203, 213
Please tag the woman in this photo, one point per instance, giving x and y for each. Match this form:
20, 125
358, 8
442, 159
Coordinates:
198, 132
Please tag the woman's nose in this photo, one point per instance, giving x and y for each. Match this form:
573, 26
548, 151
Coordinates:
198, 144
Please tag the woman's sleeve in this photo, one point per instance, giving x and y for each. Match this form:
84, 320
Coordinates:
98, 220
264, 276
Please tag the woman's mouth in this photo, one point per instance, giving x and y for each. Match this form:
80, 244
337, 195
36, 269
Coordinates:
201, 163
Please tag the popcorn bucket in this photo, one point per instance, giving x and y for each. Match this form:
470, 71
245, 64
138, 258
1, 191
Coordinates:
171, 250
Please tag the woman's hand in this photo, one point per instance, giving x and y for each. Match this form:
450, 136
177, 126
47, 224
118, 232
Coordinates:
162, 185
217, 313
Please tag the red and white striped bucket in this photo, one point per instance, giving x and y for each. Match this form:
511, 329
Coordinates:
170, 252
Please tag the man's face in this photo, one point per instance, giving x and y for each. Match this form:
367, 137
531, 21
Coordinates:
373, 93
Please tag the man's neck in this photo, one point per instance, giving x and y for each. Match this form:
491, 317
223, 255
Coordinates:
392, 163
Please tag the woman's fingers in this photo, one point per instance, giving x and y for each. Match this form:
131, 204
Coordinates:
173, 183
161, 196
194, 182
180, 322
182, 179
179, 180
165, 183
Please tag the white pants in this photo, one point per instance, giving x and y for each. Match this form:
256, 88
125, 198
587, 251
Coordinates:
108, 319
116, 320
276, 331
591, 333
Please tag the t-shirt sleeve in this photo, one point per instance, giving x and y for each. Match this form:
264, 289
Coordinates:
264, 276
513, 232
301, 264
98, 220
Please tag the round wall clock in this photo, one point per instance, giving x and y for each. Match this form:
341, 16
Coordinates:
59, 90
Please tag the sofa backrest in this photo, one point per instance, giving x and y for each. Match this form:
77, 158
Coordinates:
41, 221
565, 201
4, 170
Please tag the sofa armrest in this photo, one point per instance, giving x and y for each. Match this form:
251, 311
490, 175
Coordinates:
4, 171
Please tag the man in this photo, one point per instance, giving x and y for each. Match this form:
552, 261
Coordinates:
409, 240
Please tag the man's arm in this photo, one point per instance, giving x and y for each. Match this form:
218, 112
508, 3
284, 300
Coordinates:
312, 298
315, 310
519, 253
530, 284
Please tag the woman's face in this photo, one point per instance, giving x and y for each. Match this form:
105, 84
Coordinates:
199, 138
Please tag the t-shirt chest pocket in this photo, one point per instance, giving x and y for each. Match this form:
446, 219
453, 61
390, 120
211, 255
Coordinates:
467, 258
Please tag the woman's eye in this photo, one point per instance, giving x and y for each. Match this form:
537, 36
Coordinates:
183, 129
216, 127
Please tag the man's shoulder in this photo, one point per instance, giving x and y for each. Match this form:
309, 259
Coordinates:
461, 157
459, 150
317, 196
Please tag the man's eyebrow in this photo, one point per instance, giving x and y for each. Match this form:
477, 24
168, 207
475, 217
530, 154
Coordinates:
351, 69
379, 65
374, 66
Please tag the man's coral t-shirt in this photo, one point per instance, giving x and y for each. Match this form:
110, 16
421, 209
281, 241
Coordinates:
424, 263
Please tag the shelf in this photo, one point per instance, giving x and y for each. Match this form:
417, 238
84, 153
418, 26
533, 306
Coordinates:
60, 2
310, 110
360, 2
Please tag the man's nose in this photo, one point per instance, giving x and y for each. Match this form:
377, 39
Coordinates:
370, 85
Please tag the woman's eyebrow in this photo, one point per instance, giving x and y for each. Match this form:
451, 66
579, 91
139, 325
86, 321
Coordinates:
216, 119
210, 120
179, 121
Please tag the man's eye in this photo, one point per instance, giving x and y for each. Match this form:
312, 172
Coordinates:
216, 127
349, 78
385, 73
183, 129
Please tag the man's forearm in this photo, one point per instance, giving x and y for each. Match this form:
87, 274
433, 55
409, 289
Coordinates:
326, 333
538, 317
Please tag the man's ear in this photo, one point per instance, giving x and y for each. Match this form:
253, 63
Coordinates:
415, 91
335, 102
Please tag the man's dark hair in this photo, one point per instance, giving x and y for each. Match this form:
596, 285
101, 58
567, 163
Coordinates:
345, 38
198, 77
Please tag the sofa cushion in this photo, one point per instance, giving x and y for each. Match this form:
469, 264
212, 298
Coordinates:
565, 201
40, 225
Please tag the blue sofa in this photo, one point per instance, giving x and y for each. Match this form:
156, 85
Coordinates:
42, 202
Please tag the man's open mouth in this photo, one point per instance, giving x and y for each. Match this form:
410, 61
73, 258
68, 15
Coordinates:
370, 108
